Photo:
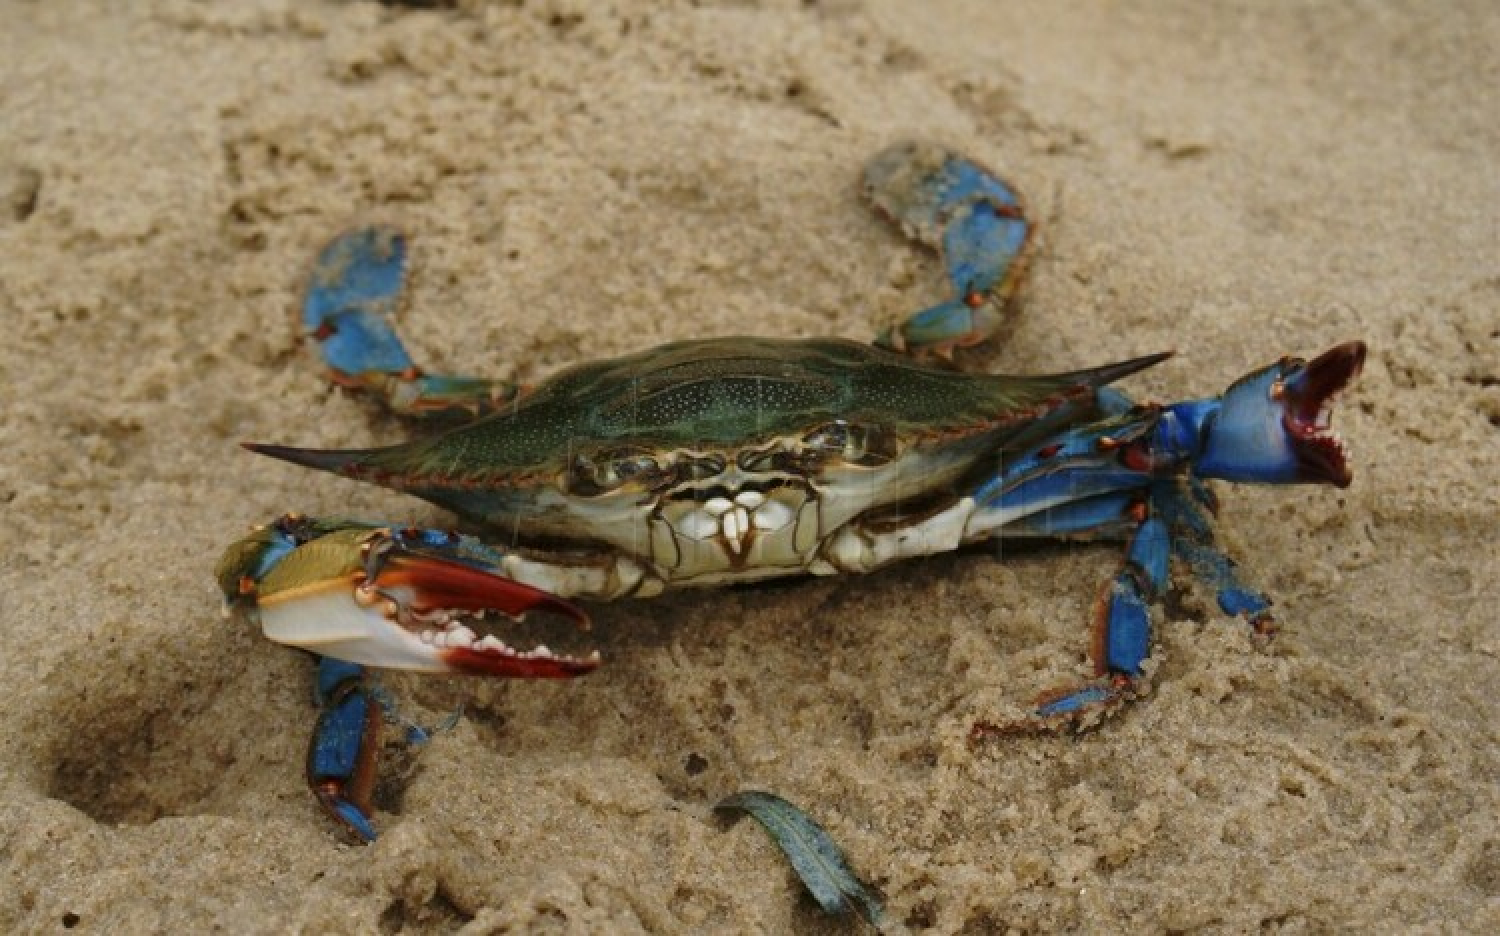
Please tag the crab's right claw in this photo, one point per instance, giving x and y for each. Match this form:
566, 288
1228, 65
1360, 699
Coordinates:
380, 598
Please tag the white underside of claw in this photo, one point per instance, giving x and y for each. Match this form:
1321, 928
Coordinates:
331, 622
334, 622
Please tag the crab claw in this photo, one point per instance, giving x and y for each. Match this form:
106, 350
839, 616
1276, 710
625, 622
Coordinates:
1274, 425
1308, 398
359, 596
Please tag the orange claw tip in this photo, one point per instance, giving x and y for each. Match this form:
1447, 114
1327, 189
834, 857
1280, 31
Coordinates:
437, 584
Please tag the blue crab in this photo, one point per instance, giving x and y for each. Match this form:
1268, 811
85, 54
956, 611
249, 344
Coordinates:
742, 459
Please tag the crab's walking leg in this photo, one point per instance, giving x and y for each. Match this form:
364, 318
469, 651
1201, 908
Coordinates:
352, 295
1177, 524
974, 219
1122, 625
341, 756
1100, 499
1187, 506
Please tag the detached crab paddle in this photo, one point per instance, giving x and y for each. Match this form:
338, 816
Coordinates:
734, 460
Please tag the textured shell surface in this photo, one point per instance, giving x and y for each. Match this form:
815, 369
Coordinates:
720, 394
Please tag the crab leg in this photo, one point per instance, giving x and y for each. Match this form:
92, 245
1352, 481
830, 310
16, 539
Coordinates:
974, 219
1176, 526
1193, 543
341, 756
352, 295
1122, 625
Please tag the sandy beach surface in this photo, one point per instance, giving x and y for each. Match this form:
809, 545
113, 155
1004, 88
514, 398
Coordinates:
1232, 180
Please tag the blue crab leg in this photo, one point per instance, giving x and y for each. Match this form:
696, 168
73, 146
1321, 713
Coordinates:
1187, 509
974, 219
352, 295
344, 749
1139, 473
1122, 625
1095, 483
1178, 526
341, 756
1072, 488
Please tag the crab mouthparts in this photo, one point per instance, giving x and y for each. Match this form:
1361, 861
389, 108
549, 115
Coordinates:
1309, 400
446, 607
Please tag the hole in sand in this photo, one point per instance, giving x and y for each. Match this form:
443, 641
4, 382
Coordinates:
163, 734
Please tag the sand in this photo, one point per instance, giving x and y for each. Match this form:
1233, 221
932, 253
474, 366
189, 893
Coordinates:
1235, 181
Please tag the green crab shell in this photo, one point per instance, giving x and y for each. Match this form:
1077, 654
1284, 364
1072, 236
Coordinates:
720, 395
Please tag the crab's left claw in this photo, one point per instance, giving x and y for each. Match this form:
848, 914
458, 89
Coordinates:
407, 600
1274, 425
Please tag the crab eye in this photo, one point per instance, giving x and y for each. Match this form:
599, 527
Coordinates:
1290, 369
857, 445
766, 461
696, 469
629, 468
590, 477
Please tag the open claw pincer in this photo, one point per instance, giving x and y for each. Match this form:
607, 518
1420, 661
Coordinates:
379, 598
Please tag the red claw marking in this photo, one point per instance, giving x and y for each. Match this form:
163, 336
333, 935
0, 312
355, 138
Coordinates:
430, 592
1308, 400
439, 585
1137, 457
535, 664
